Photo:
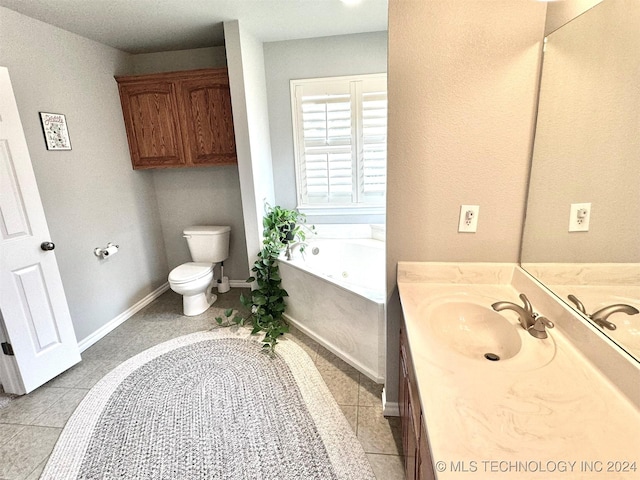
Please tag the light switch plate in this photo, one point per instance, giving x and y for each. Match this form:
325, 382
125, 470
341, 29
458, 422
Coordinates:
468, 218
579, 216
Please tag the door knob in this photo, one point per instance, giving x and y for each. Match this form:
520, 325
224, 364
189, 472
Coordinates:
46, 246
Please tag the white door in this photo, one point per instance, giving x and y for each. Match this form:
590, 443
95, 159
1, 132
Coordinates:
33, 306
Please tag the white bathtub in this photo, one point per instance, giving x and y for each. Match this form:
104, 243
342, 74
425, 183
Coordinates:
336, 296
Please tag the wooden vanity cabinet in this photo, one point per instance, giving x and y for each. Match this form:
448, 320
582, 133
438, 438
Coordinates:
418, 463
178, 119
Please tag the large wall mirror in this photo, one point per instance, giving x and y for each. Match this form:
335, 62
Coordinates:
587, 154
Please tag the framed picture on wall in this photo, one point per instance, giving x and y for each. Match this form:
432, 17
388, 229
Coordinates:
56, 134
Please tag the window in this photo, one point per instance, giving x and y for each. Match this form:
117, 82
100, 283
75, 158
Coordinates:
340, 137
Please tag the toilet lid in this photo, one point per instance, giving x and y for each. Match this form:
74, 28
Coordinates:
188, 272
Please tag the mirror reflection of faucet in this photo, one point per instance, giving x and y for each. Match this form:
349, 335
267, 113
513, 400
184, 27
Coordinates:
532, 322
600, 317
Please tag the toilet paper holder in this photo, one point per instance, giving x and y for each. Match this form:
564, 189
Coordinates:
109, 250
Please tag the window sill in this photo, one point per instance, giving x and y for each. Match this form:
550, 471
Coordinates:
333, 210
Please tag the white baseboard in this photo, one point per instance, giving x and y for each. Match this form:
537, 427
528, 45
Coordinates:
116, 322
239, 284
389, 409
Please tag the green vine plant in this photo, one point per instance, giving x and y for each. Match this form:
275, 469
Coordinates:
266, 302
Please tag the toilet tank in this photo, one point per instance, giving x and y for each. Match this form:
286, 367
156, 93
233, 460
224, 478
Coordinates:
208, 243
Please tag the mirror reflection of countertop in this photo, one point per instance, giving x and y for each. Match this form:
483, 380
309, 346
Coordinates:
597, 286
595, 297
533, 415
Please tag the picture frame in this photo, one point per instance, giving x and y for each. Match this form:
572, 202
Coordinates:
56, 133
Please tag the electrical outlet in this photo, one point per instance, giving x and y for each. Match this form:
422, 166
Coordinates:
579, 216
468, 218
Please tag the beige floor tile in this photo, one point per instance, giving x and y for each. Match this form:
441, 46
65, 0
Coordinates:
306, 343
327, 360
27, 451
71, 377
369, 393
27, 408
58, 413
108, 347
387, 467
379, 434
8, 432
343, 385
351, 414
35, 474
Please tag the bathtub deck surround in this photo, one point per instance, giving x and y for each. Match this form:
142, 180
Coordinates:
336, 295
543, 406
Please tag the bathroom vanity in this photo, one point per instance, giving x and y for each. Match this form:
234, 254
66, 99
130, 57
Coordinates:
482, 398
178, 119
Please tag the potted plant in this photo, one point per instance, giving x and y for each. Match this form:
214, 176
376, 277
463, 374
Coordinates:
266, 302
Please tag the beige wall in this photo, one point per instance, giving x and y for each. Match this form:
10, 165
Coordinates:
559, 13
462, 94
90, 194
587, 148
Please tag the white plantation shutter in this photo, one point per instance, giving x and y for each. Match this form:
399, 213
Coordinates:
340, 127
374, 146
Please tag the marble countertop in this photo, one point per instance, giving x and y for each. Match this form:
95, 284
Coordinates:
487, 420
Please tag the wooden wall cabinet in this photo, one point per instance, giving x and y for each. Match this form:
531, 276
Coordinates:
415, 443
178, 119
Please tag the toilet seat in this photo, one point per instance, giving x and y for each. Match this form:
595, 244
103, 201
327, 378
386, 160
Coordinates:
188, 272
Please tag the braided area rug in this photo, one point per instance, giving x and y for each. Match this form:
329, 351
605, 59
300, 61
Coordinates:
210, 405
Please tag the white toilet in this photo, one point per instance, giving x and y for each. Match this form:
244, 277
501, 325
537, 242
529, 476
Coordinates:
193, 280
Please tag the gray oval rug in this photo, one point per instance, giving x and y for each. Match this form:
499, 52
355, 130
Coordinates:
210, 405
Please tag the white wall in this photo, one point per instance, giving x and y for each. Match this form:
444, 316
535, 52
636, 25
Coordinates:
311, 58
90, 194
196, 196
462, 93
245, 61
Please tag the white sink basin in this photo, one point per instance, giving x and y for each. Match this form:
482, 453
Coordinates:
468, 328
474, 331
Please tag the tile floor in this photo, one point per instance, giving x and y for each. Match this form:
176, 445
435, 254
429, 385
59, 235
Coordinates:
32, 423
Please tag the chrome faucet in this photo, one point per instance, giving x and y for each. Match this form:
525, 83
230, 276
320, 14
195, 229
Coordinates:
600, 317
291, 246
525, 314
530, 321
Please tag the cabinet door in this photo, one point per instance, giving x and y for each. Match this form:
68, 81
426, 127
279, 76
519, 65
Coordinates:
409, 434
425, 464
411, 457
207, 121
152, 122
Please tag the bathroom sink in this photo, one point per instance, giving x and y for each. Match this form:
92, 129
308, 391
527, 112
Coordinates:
474, 331
467, 328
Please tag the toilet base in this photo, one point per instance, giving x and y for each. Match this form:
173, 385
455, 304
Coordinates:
196, 304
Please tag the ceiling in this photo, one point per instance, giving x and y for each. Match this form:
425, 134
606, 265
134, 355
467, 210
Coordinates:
144, 26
